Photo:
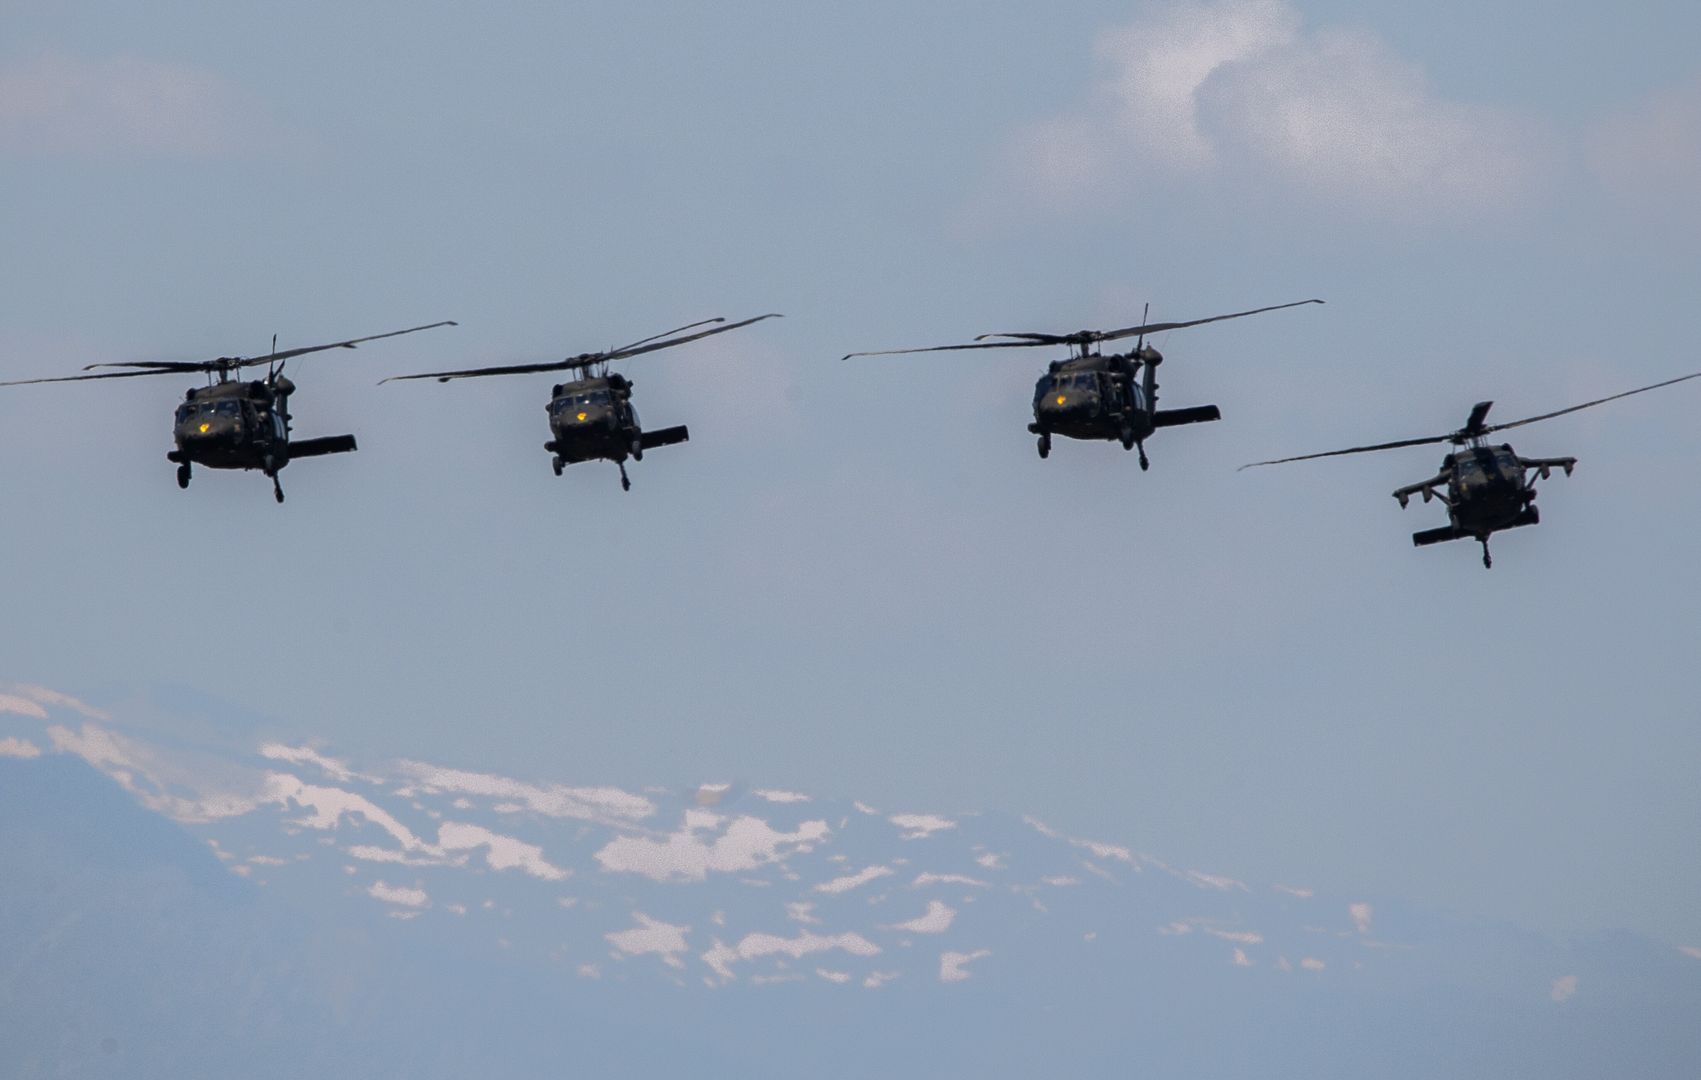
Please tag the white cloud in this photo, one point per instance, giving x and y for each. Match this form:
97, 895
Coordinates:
953, 965
167, 786
1563, 989
1241, 87
41, 695
652, 936
606, 805
1303, 894
877, 979
747, 843
935, 920
1360, 913
502, 852
1690, 951
721, 957
398, 894
1213, 881
840, 977
306, 755
779, 796
14, 747
60, 104
921, 826
1099, 848
1240, 958
11, 703
990, 861
798, 911
1243, 937
1060, 881
925, 879
329, 805
852, 881
1311, 963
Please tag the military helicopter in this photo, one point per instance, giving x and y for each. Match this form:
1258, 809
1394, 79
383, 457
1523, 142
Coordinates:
591, 417
230, 424
1489, 488
1092, 395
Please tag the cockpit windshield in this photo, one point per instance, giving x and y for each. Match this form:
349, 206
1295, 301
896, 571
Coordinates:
207, 410
580, 401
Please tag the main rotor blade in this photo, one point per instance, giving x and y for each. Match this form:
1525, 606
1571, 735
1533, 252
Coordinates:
1587, 404
1039, 339
639, 349
1473, 423
1352, 450
506, 369
670, 333
1154, 328
288, 354
108, 375
161, 366
950, 348
585, 360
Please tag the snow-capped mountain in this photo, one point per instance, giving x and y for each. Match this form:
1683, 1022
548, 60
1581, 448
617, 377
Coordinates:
772, 906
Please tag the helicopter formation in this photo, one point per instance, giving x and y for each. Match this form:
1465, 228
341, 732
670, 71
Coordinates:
1088, 395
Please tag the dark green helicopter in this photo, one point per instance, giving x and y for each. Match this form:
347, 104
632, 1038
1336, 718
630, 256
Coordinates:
1095, 396
232, 424
592, 418
1489, 488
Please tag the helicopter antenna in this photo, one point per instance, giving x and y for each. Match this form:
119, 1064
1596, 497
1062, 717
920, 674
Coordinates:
271, 366
1140, 343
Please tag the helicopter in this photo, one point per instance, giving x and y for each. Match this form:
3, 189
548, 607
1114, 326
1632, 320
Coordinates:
1094, 396
235, 424
1489, 488
591, 418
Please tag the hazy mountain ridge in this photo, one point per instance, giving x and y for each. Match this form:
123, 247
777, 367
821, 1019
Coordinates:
288, 891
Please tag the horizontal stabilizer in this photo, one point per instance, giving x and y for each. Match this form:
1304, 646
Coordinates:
330, 444
665, 437
1199, 414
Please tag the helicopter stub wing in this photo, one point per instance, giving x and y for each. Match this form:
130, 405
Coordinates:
330, 444
1426, 489
1199, 414
649, 440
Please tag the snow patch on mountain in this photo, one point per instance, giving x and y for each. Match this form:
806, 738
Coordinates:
685, 855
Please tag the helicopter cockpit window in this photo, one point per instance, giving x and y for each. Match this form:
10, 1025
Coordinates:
230, 409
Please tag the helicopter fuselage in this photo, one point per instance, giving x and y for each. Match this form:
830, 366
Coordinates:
1091, 397
593, 419
1106, 398
1488, 489
233, 425
243, 425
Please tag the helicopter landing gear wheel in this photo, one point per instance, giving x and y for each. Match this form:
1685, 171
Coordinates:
556, 464
625, 483
183, 475
1045, 445
637, 450
1127, 438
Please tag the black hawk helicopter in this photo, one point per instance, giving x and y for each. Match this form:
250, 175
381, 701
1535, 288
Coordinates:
592, 418
231, 424
1489, 488
1092, 395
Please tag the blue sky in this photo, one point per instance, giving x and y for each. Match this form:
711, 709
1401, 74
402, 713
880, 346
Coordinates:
858, 577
